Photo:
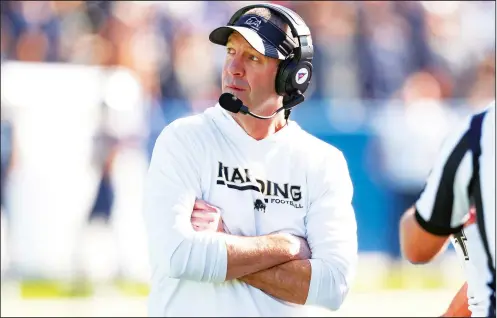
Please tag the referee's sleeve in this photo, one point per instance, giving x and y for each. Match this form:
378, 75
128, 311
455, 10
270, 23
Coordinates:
444, 202
172, 185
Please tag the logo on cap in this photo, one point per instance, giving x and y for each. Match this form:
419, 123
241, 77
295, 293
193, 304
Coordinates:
301, 76
253, 22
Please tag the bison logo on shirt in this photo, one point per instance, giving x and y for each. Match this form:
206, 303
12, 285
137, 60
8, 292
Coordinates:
259, 206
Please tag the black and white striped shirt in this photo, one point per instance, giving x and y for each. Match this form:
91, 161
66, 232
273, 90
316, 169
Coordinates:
464, 175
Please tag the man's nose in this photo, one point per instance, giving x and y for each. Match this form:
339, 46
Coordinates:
235, 67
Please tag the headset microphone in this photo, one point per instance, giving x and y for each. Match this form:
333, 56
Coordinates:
232, 104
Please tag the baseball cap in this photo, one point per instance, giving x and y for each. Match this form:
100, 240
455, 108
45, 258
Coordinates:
263, 35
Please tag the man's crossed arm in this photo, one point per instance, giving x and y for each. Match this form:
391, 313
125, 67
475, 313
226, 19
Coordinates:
288, 280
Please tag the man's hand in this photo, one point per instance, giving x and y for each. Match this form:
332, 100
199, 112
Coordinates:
206, 217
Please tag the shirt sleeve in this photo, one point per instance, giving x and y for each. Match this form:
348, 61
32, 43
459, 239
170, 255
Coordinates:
172, 185
332, 235
443, 205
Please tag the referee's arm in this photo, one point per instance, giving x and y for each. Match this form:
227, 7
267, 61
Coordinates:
444, 203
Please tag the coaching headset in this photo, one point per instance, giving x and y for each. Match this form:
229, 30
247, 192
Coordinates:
295, 70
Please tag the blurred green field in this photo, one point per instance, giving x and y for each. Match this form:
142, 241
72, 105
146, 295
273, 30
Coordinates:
109, 303
381, 288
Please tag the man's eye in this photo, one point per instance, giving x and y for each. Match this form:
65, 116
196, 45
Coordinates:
254, 58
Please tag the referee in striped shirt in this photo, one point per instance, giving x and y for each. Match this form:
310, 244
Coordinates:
463, 176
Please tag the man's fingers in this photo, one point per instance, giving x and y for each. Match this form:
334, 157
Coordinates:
200, 221
203, 205
199, 228
206, 215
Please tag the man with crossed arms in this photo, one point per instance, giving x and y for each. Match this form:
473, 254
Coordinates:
248, 217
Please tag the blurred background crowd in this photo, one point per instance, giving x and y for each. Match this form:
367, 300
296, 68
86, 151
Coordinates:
368, 50
390, 79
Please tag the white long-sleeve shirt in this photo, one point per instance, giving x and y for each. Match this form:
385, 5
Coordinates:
301, 186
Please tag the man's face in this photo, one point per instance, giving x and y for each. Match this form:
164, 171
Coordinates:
249, 75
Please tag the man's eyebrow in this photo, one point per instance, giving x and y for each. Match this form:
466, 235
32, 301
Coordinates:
250, 49
230, 41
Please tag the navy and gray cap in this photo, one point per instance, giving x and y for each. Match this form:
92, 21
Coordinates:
263, 35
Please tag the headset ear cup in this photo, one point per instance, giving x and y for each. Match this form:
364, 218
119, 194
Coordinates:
300, 78
293, 76
282, 76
